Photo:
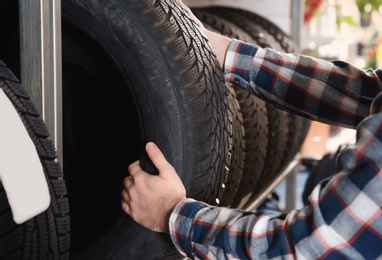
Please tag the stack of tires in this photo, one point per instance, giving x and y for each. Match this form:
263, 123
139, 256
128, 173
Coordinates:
140, 70
272, 137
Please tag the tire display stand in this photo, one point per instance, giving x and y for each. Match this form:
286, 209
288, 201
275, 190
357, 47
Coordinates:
88, 65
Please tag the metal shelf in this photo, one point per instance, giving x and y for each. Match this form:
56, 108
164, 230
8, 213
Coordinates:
290, 170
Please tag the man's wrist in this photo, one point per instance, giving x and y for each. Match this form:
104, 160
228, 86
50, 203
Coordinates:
180, 224
173, 216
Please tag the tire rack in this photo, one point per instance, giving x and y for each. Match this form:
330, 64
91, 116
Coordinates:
41, 66
41, 74
289, 175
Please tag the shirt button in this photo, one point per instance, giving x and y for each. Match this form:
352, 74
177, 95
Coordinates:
236, 80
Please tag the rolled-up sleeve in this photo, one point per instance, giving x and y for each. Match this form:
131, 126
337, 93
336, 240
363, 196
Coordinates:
333, 92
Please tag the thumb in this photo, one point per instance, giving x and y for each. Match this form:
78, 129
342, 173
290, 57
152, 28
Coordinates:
157, 158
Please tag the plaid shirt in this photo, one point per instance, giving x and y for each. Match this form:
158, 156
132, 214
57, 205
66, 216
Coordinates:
343, 219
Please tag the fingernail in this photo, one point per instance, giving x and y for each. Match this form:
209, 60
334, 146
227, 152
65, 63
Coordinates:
150, 146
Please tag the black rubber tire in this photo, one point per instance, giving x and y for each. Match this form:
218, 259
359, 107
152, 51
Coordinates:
219, 24
294, 135
135, 71
256, 118
276, 150
233, 180
294, 128
254, 112
235, 173
45, 236
264, 32
282, 144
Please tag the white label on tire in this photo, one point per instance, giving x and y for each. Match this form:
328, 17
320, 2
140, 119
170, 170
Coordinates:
21, 171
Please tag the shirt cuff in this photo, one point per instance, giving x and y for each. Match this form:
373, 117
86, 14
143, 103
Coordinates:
238, 62
180, 225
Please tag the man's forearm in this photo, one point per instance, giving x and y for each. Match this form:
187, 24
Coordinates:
219, 44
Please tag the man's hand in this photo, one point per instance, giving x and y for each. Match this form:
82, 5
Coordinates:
150, 199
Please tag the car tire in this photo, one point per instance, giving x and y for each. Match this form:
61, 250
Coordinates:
46, 235
137, 71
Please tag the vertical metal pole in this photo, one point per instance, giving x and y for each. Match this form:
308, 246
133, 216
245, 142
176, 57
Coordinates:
297, 20
291, 189
41, 69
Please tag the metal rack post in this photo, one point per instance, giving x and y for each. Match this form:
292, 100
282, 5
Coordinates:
297, 20
40, 51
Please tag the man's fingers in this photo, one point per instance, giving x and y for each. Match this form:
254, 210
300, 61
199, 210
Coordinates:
128, 182
126, 196
125, 207
156, 156
149, 199
134, 168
